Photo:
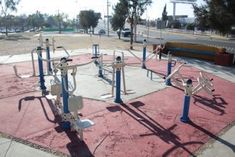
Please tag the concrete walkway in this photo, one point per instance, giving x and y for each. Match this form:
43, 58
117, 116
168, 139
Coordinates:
224, 147
11, 148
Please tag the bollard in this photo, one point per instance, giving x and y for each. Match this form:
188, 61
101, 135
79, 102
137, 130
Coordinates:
65, 94
169, 66
188, 92
49, 69
95, 51
100, 71
41, 74
144, 54
118, 80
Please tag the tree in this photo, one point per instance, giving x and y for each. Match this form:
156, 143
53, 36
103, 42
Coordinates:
89, 19
36, 21
60, 17
164, 14
136, 9
51, 21
217, 15
19, 22
8, 6
119, 16
202, 21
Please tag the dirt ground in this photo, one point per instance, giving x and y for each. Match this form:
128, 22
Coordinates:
24, 42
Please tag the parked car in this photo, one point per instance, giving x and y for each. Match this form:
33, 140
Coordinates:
125, 32
101, 32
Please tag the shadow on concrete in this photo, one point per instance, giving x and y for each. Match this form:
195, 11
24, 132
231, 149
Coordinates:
76, 147
32, 98
157, 129
161, 75
106, 80
230, 145
165, 134
216, 103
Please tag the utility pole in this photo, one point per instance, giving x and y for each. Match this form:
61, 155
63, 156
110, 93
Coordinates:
108, 16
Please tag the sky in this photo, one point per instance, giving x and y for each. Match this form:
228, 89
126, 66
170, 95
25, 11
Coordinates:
72, 7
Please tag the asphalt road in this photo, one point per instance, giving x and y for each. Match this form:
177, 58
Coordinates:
157, 36
162, 36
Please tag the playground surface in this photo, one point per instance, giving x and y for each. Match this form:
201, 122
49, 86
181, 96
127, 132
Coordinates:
146, 124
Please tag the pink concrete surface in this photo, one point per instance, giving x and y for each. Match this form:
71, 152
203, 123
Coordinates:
147, 126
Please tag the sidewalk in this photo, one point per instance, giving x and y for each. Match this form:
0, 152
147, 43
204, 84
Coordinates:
11, 148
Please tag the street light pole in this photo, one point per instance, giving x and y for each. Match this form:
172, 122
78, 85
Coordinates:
108, 17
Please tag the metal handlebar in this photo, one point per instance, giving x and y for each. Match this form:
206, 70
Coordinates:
53, 59
74, 81
61, 47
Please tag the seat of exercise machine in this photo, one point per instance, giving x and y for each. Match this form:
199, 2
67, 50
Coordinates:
75, 103
55, 89
84, 123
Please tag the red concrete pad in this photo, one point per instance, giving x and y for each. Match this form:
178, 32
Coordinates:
26, 114
147, 126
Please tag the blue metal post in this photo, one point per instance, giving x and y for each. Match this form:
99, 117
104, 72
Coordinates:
188, 91
100, 71
65, 94
41, 74
49, 69
169, 66
118, 87
144, 54
118, 82
95, 50
184, 118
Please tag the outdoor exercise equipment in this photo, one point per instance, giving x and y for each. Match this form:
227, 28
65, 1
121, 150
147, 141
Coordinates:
171, 63
95, 51
48, 57
40, 66
41, 74
145, 58
144, 54
117, 64
47, 48
204, 83
33, 67
49, 69
188, 92
118, 67
71, 103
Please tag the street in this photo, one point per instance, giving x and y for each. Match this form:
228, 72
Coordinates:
161, 36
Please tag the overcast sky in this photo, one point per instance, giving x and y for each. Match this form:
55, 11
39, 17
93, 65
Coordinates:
72, 7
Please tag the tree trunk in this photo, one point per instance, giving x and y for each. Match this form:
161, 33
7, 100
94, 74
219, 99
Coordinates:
119, 33
135, 28
59, 28
131, 40
6, 33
